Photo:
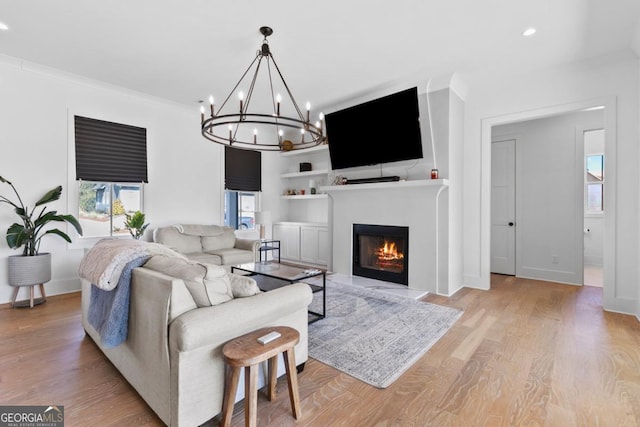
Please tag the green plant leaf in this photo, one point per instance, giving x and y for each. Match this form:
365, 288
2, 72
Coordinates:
50, 196
53, 216
16, 235
43, 219
59, 233
73, 221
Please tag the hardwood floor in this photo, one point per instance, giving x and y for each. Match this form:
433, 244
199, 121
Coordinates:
524, 353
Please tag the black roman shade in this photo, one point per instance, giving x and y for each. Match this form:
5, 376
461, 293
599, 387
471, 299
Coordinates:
110, 152
242, 169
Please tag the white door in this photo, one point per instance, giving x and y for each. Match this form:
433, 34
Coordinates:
503, 207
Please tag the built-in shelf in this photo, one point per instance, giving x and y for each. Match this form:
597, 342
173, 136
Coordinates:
303, 174
317, 148
305, 197
383, 185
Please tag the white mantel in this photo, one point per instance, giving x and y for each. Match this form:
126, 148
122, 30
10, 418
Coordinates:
421, 205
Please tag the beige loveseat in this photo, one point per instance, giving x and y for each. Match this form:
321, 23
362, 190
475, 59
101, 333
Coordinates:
212, 244
172, 354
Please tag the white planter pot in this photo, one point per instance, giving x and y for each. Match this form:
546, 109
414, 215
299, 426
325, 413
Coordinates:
29, 270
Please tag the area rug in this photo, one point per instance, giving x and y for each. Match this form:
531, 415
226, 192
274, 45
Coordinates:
373, 336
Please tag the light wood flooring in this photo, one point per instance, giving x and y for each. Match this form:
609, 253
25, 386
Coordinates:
525, 353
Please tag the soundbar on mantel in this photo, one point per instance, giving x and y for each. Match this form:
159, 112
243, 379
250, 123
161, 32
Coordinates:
371, 180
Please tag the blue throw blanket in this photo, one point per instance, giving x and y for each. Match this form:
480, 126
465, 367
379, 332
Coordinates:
109, 310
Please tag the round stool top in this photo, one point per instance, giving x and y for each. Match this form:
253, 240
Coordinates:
245, 350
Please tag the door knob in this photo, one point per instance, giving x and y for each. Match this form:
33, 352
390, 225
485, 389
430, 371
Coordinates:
511, 224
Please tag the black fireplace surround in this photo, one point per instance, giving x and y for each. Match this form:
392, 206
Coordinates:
381, 252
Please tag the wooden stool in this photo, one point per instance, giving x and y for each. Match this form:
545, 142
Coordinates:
246, 352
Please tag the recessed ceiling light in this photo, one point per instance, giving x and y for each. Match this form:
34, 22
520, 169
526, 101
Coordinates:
529, 32
3, 26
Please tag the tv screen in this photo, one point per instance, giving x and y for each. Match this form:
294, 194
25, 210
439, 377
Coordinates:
383, 130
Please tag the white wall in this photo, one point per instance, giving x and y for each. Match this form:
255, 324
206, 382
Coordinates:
456, 202
495, 97
549, 188
185, 179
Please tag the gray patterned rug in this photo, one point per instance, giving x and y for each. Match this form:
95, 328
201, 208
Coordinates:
373, 336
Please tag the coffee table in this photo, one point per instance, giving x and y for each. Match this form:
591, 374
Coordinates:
283, 275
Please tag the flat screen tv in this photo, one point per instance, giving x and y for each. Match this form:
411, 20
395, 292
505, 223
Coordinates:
383, 130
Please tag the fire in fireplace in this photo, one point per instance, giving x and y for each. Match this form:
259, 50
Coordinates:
381, 252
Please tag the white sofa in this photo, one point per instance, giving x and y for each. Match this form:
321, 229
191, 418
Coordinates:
172, 355
212, 244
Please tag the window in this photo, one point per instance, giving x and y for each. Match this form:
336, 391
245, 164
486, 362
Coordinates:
594, 182
111, 168
102, 207
242, 183
240, 209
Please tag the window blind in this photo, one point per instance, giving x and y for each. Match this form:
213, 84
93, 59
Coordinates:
242, 170
110, 152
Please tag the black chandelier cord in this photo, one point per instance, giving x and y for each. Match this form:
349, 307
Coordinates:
286, 86
252, 86
238, 84
276, 114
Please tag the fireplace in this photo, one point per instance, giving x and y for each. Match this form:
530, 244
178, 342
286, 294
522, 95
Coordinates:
381, 252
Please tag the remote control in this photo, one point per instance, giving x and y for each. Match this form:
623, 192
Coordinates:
269, 337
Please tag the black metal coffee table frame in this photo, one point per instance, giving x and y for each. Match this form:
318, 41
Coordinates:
287, 274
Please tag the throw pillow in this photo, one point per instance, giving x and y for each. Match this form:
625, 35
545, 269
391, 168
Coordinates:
208, 284
243, 286
227, 239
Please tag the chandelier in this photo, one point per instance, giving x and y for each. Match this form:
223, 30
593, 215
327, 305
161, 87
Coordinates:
267, 130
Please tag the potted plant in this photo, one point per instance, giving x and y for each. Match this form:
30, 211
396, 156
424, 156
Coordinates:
135, 224
32, 268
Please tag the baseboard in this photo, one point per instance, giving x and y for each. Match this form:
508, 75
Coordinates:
475, 282
547, 275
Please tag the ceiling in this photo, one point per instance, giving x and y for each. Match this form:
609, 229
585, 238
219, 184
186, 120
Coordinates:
328, 51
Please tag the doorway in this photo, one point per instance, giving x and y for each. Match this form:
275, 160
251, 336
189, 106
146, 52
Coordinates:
537, 205
594, 189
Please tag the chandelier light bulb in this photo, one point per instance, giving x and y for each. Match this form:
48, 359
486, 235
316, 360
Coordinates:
202, 114
308, 111
280, 133
211, 101
255, 136
278, 100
